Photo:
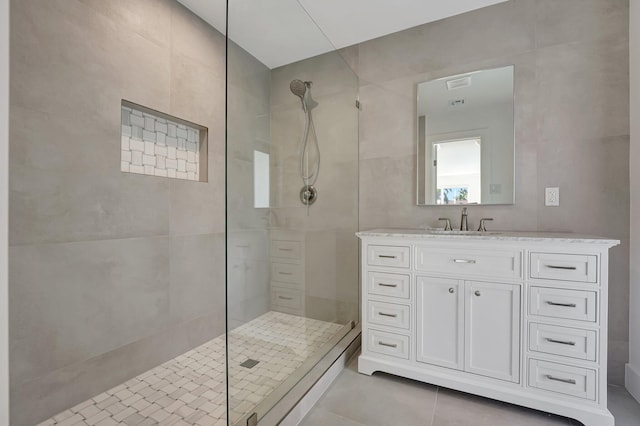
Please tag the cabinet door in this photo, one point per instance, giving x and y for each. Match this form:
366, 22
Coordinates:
439, 317
492, 330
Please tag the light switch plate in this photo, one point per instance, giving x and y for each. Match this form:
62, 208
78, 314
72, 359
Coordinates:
552, 197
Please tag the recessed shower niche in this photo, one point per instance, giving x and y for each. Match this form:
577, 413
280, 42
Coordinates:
158, 144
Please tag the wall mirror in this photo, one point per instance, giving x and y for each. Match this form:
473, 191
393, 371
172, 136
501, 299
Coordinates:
466, 139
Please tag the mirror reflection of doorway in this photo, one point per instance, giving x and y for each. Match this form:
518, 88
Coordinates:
457, 171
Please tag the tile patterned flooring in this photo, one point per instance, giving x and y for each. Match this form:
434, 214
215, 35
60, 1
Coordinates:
190, 389
392, 401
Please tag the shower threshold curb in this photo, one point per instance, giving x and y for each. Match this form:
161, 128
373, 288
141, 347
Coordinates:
295, 405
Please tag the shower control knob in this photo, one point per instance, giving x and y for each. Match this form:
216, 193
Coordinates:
308, 195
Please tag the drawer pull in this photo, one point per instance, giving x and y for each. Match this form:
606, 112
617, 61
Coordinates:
285, 249
285, 273
562, 342
558, 379
242, 246
285, 298
389, 345
477, 293
386, 256
451, 290
568, 268
464, 261
383, 314
387, 285
565, 305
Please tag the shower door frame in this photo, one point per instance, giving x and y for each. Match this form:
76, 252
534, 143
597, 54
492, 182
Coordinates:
4, 211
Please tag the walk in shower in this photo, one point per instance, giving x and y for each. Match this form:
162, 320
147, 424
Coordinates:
292, 283
178, 252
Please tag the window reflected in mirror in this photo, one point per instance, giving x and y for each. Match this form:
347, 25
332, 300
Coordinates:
457, 171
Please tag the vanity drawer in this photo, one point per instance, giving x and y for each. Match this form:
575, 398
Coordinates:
565, 379
286, 298
564, 267
390, 344
391, 285
286, 249
495, 263
388, 314
559, 303
393, 256
564, 341
286, 272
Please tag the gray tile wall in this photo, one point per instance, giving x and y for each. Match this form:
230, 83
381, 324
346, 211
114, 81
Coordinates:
111, 273
329, 225
248, 129
572, 123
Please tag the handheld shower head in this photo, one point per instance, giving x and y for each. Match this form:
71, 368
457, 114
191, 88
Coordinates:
298, 88
301, 89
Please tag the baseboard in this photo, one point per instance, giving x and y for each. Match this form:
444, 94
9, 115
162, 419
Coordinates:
632, 380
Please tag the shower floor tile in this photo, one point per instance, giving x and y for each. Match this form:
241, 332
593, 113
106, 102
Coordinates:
190, 389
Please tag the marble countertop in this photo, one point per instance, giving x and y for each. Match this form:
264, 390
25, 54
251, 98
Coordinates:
559, 237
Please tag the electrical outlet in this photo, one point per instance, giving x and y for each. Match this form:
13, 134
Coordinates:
552, 197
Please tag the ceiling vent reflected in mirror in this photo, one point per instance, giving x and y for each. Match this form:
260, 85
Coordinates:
459, 83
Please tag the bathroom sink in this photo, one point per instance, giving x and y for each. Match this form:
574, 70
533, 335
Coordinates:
458, 232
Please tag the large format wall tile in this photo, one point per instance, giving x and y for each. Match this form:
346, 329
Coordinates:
62, 191
74, 301
248, 130
148, 18
329, 225
68, 60
193, 37
197, 269
567, 21
584, 90
387, 123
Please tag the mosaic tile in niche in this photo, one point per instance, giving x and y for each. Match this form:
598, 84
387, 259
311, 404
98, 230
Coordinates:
157, 144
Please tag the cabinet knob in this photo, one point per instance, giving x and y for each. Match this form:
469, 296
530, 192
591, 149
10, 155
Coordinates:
477, 292
451, 290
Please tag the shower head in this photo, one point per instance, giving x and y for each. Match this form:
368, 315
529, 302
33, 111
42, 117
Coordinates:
298, 88
301, 89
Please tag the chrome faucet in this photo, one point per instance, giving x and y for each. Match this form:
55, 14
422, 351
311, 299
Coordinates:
463, 221
447, 223
482, 228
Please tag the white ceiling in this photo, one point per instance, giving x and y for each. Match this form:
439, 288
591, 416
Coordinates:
279, 32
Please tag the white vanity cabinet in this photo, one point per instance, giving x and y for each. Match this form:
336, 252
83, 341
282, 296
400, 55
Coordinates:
518, 317
440, 318
492, 330
468, 325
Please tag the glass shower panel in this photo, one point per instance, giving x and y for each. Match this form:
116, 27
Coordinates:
117, 222
292, 282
